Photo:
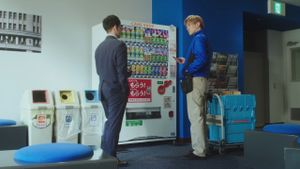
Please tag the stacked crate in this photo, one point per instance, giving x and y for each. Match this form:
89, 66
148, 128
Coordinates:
238, 115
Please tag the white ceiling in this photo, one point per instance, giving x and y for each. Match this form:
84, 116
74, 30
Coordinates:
293, 2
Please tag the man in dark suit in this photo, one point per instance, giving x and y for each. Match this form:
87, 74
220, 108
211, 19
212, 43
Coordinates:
111, 64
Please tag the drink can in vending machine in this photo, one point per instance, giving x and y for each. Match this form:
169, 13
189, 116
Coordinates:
133, 30
146, 53
142, 34
149, 69
132, 51
165, 70
133, 68
141, 52
146, 69
129, 51
147, 35
137, 68
137, 34
137, 52
157, 73
142, 68
153, 36
153, 69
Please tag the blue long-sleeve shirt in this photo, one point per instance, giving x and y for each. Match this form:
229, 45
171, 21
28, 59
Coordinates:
200, 48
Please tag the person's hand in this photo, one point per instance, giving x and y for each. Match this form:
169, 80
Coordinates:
129, 71
179, 60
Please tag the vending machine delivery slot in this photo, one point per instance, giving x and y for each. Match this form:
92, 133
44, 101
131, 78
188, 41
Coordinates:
143, 113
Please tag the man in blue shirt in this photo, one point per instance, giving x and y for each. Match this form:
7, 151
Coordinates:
197, 64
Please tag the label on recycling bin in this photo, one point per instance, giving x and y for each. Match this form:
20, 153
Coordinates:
93, 119
41, 120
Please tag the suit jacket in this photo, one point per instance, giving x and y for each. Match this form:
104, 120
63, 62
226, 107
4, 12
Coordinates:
111, 65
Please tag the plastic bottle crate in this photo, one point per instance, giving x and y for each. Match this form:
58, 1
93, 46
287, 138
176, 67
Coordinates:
234, 131
239, 115
235, 106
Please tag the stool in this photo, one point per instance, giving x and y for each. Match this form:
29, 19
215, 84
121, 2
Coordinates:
52, 153
6, 122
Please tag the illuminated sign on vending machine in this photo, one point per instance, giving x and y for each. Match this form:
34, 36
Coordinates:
140, 90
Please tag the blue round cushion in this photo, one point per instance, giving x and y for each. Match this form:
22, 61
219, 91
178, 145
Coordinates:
293, 129
53, 152
6, 122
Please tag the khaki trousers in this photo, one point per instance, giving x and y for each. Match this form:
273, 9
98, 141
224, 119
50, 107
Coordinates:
196, 114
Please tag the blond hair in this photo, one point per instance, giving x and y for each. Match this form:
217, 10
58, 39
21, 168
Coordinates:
194, 19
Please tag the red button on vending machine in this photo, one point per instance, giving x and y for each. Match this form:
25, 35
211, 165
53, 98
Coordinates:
171, 114
161, 90
167, 83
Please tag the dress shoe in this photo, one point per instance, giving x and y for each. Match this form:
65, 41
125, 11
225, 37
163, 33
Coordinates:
122, 163
192, 156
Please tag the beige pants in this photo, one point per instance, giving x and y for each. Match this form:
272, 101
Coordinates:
196, 114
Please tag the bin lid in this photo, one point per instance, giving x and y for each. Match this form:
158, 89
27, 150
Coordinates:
7, 122
52, 153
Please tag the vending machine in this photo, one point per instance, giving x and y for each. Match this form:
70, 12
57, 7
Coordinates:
150, 114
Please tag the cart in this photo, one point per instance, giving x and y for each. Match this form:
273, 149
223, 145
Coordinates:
228, 117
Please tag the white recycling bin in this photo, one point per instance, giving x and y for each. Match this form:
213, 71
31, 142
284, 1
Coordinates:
92, 118
67, 116
37, 110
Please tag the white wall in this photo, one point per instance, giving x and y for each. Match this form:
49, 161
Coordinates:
66, 46
292, 88
276, 87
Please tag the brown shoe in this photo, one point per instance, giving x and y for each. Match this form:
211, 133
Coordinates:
122, 163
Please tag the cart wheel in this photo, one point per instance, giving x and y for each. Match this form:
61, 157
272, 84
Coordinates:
222, 143
176, 143
221, 147
221, 150
210, 147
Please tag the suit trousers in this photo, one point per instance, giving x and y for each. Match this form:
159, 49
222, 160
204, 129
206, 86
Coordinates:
114, 104
197, 116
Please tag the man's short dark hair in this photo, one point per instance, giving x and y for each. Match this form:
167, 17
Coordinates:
110, 21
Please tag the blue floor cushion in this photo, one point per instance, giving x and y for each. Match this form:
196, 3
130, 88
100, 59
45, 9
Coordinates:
292, 129
6, 122
53, 152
